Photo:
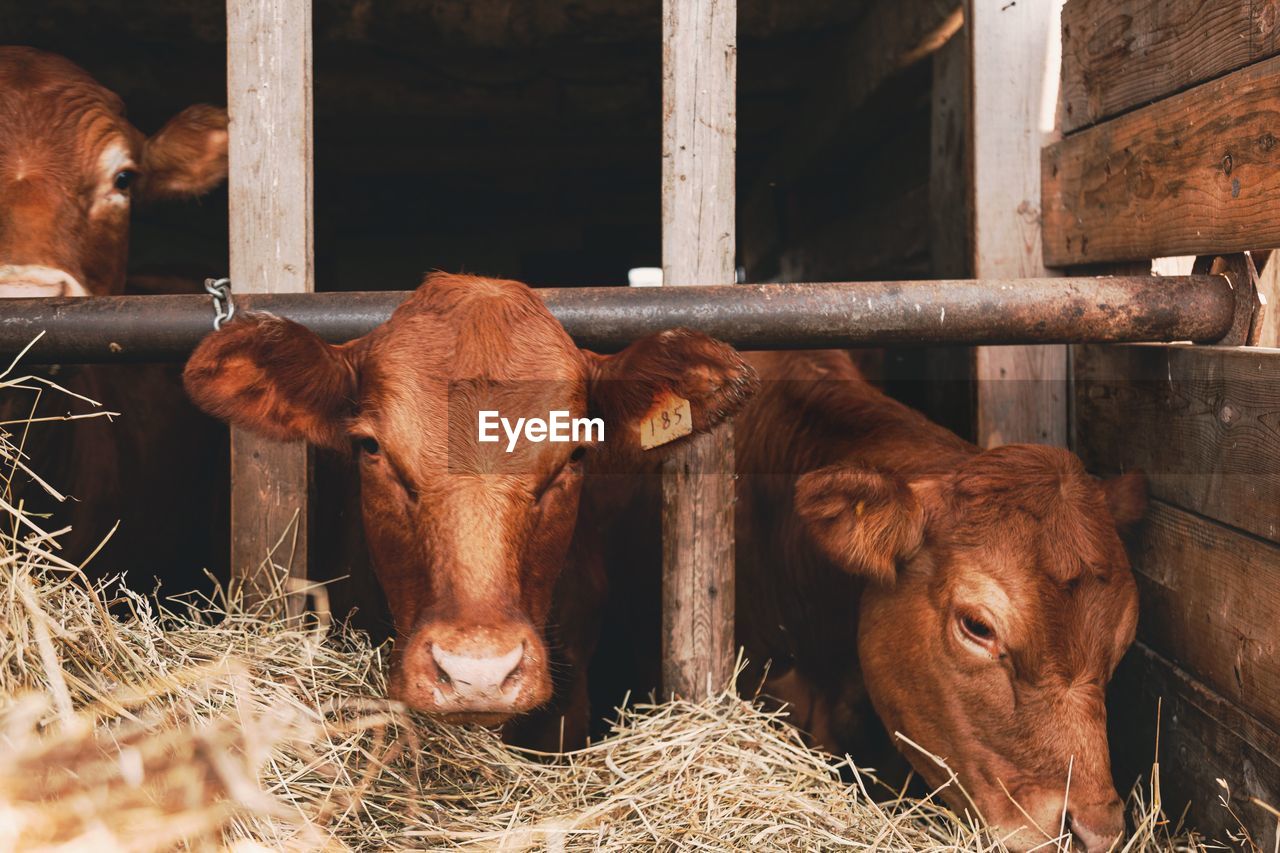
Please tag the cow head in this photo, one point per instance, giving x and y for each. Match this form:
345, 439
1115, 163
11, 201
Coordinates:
71, 166
467, 538
999, 601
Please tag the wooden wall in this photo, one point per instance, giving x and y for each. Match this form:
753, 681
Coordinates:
1172, 113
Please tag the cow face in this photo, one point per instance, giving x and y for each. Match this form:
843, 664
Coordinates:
999, 602
71, 166
467, 538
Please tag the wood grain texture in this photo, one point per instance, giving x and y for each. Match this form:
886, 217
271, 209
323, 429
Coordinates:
1196, 173
1121, 54
1202, 738
1269, 290
1211, 603
699, 133
270, 189
698, 499
1021, 393
1202, 422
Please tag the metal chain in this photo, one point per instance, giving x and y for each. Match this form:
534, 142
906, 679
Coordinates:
223, 306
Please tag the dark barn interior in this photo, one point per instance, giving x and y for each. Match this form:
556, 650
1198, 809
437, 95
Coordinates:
523, 139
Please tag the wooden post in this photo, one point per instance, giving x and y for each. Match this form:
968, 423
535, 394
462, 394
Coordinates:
1015, 57
269, 99
699, 130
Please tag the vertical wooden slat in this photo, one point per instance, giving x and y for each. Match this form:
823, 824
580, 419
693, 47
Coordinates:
699, 127
1021, 394
269, 99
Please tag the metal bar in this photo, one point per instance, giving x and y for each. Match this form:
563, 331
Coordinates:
1197, 308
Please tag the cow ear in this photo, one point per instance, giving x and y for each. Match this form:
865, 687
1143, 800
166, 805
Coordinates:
188, 157
275, 378
1126, 498
863, 521
671, 372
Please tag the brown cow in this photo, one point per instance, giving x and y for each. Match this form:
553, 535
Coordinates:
468, 540
980, 600
71, 166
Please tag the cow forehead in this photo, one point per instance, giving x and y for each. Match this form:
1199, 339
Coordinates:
459, 346
54, 116
1070, 627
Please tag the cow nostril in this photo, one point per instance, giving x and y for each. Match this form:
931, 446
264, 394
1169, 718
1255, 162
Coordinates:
513, 676
1089, 838
478, 675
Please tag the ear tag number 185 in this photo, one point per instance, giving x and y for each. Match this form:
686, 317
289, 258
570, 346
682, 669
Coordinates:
668, 419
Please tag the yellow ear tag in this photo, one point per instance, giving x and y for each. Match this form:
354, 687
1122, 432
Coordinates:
669, 418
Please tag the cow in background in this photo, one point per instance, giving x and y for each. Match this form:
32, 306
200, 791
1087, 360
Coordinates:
976, 602
71, 168
473, 545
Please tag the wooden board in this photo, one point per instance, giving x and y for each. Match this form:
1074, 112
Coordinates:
1203, 738
1269, 290
1211, 603
1193, 174
1021, 394
1202, 422
699, 132
270, 187
1121, 54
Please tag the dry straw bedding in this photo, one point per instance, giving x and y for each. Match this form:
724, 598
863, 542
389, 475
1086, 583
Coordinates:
126, 725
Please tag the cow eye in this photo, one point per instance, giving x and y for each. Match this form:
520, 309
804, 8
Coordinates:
368, 445
124, 179
577, 454
978, 631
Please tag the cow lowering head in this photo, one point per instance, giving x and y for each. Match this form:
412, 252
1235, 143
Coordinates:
467, 539
70, 167
999, 601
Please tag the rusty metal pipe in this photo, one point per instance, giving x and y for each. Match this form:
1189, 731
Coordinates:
1195, 308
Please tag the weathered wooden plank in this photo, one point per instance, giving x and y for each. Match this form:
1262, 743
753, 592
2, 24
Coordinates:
1211, 603
699, 133
1121, 54
1202, 738
1269, 290
1021, 394
270, 187
1202, 422
1196, 173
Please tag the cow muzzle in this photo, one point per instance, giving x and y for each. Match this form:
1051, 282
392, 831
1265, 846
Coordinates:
1097, 828
473, 674
29, 280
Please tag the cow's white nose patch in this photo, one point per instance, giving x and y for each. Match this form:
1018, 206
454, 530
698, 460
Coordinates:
22, 280
478, 677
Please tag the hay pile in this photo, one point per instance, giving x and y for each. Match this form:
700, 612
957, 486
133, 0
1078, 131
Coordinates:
203, 724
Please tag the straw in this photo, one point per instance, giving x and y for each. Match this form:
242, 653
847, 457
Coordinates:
207, 723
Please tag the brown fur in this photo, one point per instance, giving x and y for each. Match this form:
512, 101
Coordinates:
469, 543
55, 124
869, 538
157, 469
